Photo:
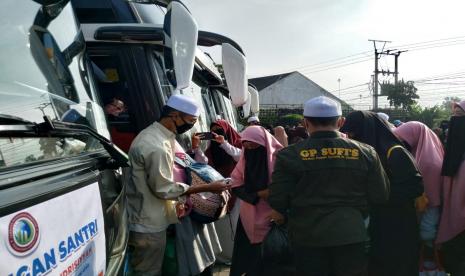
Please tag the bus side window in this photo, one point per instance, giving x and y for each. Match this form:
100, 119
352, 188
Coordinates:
209, 106
113, 91
162, 78
218, 105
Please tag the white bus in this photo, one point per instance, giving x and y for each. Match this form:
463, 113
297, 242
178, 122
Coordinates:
63, 166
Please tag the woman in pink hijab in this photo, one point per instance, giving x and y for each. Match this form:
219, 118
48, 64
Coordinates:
250, 181
427, 149
452, 225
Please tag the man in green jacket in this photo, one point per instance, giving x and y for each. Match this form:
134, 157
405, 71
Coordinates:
324, 185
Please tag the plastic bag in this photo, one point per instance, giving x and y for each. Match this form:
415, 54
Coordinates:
275, 247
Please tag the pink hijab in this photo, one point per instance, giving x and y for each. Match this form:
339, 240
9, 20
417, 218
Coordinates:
429, 154
461, 104
254, 217
453, 209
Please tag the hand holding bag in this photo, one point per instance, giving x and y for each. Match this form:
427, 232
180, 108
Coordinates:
206, 207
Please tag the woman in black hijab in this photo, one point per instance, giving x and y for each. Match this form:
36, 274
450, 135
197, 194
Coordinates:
393, 229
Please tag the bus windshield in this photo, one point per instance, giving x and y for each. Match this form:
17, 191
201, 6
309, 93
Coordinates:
26, 91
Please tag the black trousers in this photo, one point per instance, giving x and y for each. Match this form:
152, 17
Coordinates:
247, 257
454, 255
345, 260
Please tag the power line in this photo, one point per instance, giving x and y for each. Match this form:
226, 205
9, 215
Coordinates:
440, 76
335, 67
420, 46
347, 88
395, 47
330, 61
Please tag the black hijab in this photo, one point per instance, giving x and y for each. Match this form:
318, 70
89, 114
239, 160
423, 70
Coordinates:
455, 146
218, 155
256, 169
368, 128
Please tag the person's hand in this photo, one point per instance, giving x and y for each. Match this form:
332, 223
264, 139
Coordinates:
218, 186
263, 194
195, 141
421, 203
180, 209
276, 217
218, 138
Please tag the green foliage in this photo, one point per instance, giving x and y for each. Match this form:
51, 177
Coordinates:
290, 120
447, 103
401, 95
30, 158
430, 116
266, 119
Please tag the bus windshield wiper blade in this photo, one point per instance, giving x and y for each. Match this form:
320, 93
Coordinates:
12, 120
16, 127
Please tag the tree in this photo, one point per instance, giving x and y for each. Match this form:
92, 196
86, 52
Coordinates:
403, 94
290, 120
30, 158
430, 116
447, 103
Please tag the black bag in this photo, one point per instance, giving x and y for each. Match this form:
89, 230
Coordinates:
275, 247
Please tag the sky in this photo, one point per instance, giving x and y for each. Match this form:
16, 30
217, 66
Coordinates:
303, 35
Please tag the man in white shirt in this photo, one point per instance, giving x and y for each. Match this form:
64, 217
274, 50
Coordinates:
152, 193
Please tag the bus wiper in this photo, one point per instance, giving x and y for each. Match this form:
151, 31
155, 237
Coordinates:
16, 127
12, 120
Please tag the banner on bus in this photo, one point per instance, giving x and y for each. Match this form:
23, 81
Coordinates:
62, 236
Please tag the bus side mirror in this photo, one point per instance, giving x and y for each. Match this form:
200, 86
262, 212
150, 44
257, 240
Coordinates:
255, 102
246, 106
235, 72
180, 38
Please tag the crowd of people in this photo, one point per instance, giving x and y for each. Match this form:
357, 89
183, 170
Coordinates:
357, 195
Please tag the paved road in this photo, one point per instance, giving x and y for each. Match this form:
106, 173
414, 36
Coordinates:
221, 270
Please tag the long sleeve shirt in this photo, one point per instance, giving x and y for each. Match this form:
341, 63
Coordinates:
151, 188
231, 150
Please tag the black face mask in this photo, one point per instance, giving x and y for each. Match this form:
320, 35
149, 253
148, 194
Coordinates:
184, 127
256, 169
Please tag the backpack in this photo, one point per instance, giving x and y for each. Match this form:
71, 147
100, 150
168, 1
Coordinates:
206, 207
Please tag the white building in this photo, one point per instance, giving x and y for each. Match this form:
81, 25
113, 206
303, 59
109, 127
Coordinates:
289, 90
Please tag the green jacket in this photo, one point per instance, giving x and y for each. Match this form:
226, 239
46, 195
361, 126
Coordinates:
324, 184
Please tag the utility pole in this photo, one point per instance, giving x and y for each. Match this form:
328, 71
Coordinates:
376, 72
339, 81
375, 80
378, 54
396, 65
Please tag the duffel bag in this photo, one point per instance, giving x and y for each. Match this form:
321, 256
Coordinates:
206, 207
